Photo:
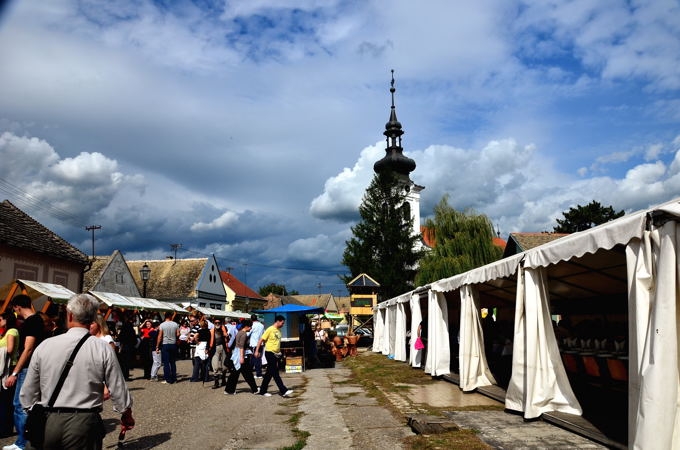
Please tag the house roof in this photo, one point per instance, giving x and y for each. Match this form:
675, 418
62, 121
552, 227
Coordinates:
363, 280
427, 235
429, 238
519, 242
240, 289
316, 300
170, 279
19, 230
274, 301
97, 269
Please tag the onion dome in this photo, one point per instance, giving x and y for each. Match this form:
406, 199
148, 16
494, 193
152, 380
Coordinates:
394, 159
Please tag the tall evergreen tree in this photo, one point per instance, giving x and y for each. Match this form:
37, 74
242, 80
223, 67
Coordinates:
464, 241
383, 245
585, 217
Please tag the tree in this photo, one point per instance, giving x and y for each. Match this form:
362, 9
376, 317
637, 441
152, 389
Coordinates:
463, 241
585, 217
274, 288
383, 243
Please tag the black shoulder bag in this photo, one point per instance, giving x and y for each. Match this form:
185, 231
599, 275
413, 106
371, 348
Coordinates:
36, 419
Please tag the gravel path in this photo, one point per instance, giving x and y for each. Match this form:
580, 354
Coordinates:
194, 416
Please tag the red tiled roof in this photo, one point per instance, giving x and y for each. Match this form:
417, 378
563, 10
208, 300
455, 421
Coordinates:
499, 242
240, 289
428, 236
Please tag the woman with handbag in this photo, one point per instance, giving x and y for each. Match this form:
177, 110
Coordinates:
9, 341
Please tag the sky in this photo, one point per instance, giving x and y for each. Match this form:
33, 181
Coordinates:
249, 129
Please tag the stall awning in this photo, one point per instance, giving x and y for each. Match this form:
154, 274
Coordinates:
113, 299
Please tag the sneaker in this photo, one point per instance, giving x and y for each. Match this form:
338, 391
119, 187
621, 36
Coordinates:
11, 447
288, 393
266, 394
164, 382
257, 391
229, 393
153, 379
258, 378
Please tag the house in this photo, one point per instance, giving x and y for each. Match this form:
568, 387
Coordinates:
274, 301
428, 235
239, 296
111, 274
519, 242
30, 251
191, 282
325, 301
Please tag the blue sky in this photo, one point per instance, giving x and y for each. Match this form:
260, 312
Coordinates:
249, 129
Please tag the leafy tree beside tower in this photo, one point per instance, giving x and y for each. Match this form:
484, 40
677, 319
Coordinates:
463, 241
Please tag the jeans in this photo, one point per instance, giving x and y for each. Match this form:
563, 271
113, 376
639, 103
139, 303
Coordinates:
257, 362
169, 357
19, 413
272, 372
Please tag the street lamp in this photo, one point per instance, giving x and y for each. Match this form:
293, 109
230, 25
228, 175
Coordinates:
145, 273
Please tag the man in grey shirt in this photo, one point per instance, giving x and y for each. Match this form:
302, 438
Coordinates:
168, 334
74, 421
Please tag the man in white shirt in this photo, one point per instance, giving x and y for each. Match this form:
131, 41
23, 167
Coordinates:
255, 334
73, 422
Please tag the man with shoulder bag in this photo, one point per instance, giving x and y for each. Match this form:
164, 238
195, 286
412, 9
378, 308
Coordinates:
66, 379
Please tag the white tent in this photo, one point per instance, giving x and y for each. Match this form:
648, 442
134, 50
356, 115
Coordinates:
635, 256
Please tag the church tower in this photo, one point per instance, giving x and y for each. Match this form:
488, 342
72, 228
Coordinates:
395, 161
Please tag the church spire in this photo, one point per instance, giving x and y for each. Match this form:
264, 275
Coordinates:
394, 159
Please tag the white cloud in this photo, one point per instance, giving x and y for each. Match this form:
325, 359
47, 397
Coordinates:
225, 220
342, 193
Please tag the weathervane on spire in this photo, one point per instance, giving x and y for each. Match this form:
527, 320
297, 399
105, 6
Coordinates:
392, 89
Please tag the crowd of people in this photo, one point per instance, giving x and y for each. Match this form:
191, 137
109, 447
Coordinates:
221, 352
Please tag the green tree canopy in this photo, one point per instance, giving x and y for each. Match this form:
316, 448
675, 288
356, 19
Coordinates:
383, 243
584, 217
463, 241
274, 288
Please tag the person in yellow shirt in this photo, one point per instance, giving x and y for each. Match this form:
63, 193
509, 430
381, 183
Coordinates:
272, 353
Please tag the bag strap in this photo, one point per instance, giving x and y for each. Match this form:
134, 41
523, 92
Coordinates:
66, 370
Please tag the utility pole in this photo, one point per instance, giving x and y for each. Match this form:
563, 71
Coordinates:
174, 248
92, 228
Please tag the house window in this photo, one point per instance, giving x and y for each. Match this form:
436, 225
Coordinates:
216, 306
60, 278
23, 272
119, 278
201, 304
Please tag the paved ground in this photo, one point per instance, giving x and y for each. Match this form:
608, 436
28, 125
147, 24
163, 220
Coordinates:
335, 412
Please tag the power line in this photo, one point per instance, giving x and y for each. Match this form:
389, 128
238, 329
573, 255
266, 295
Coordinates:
29, 201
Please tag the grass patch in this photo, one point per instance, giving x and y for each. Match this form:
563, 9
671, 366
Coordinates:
466, 439
300, 435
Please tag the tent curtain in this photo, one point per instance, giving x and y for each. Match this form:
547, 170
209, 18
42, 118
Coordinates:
392, 329
652, 263
438, 353
379, 325
539, 382
387, 331
474, 369
400, 333
416, 318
